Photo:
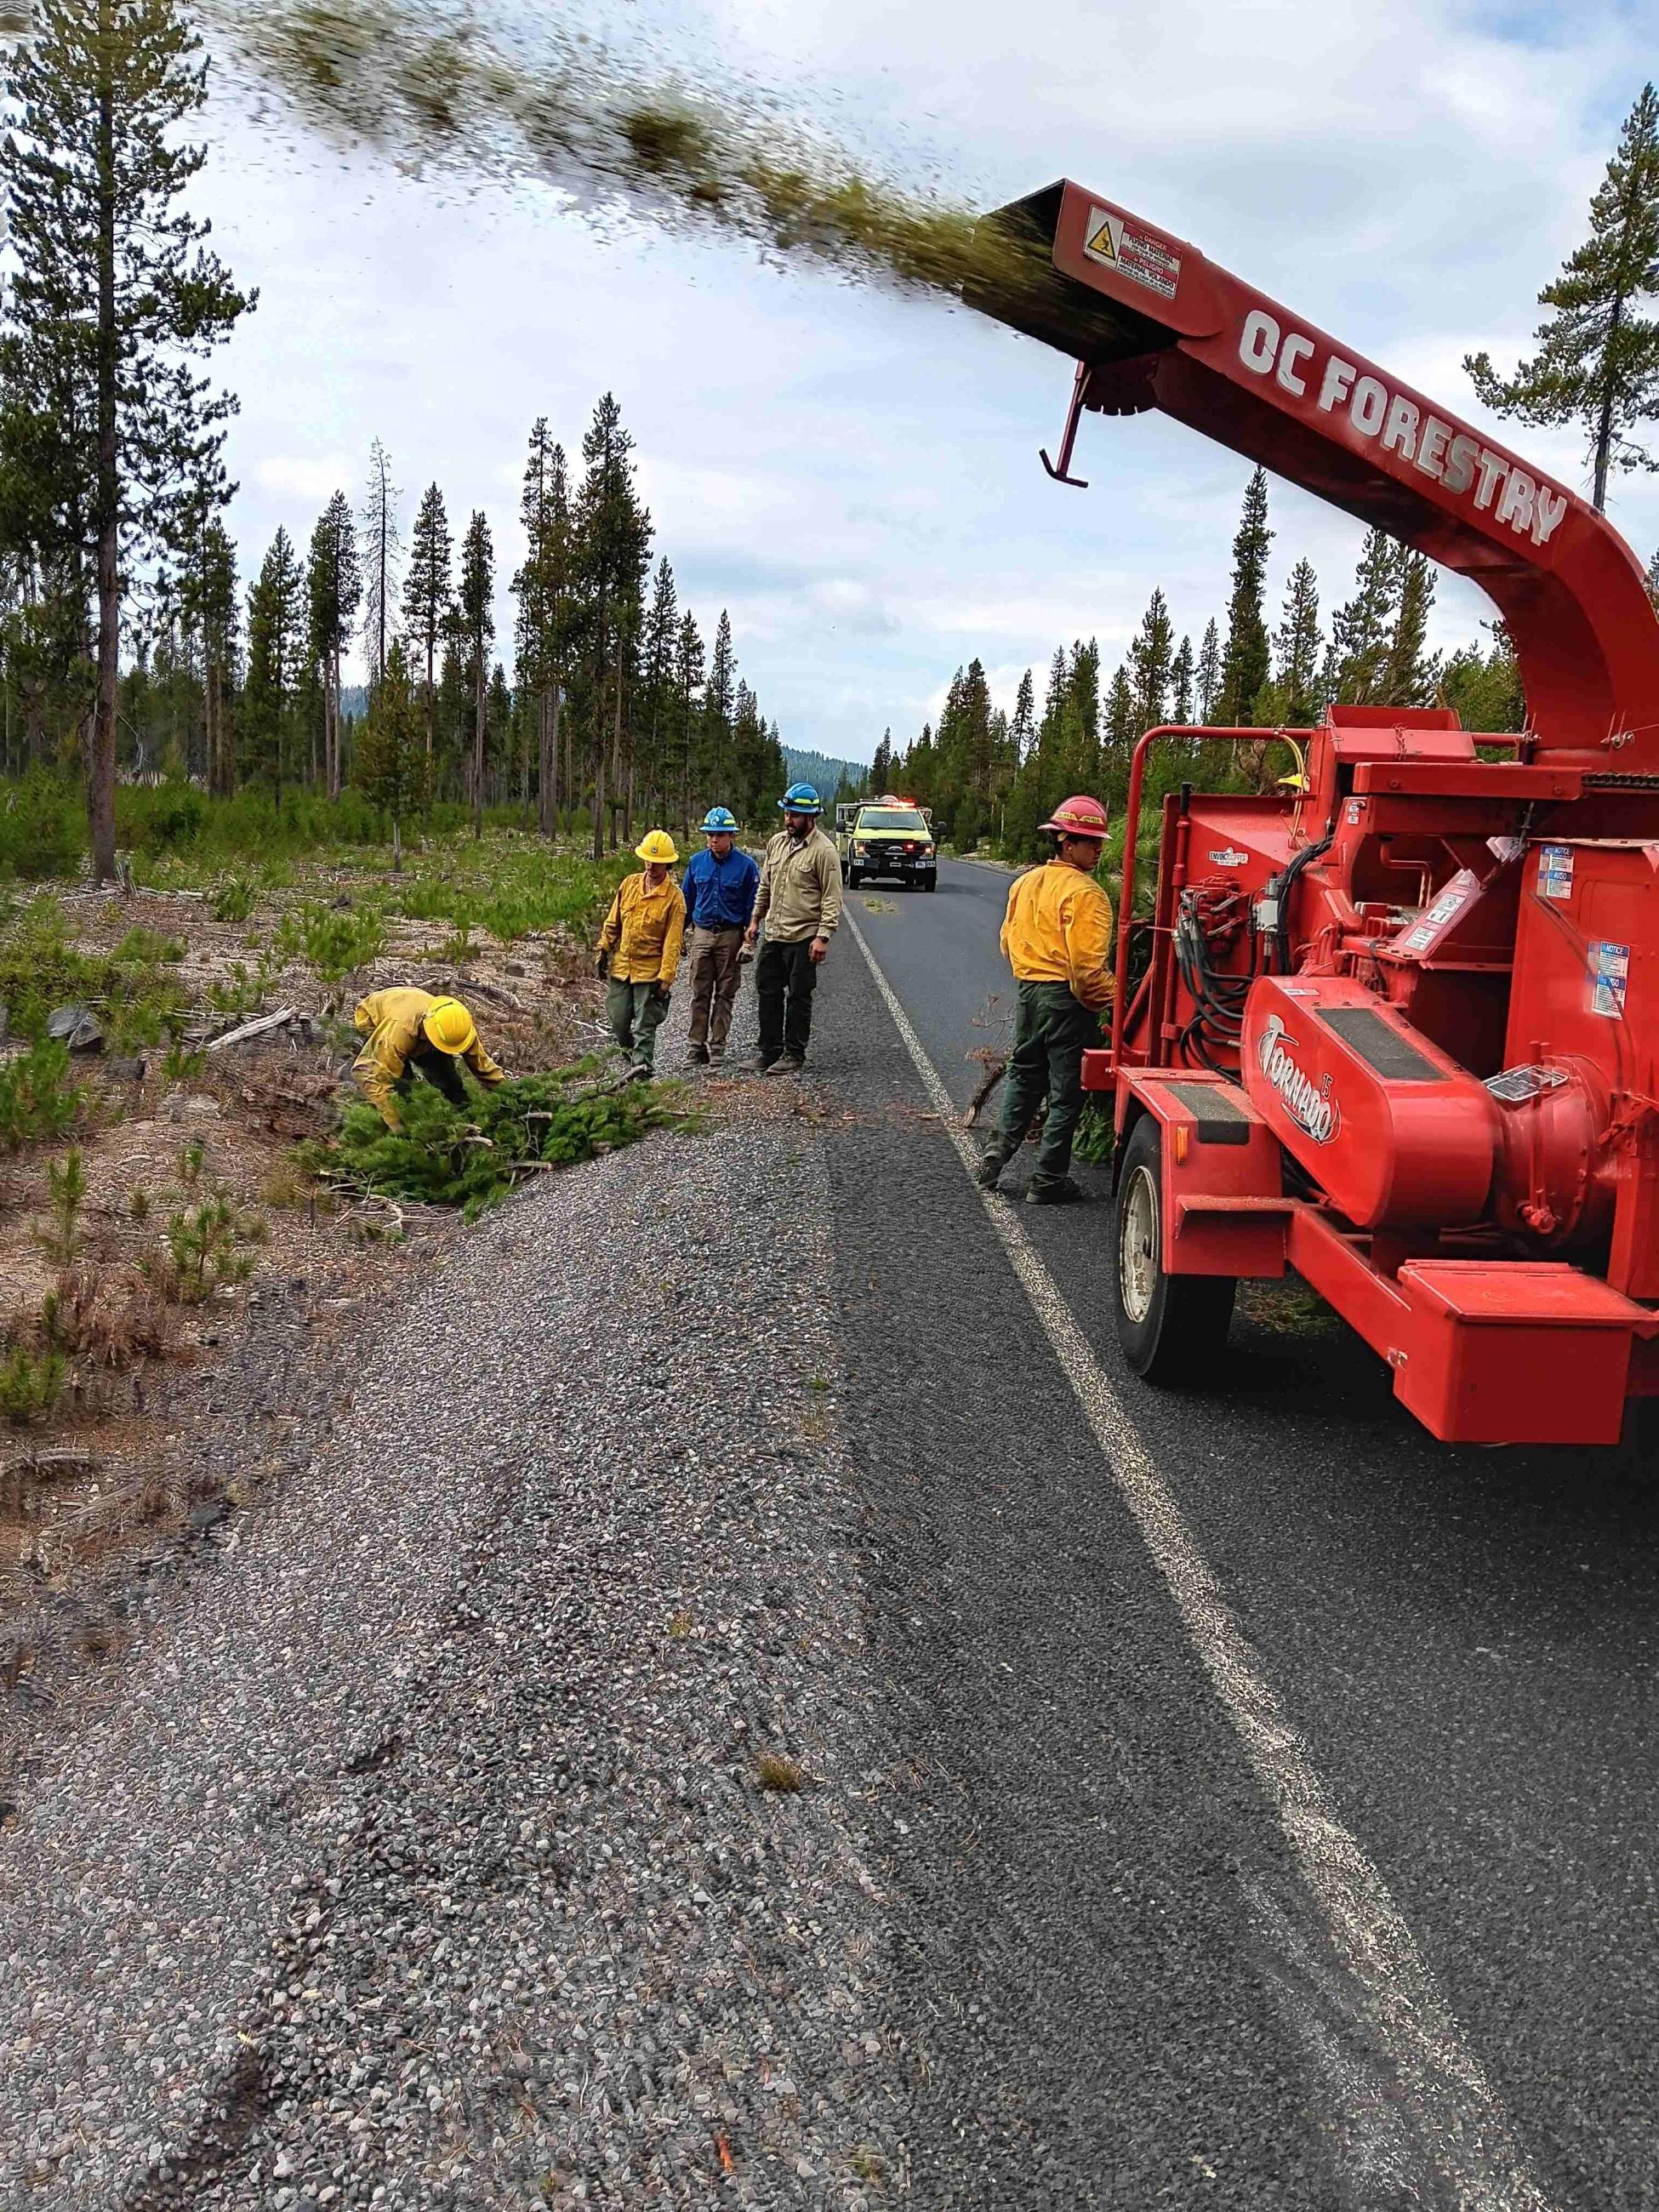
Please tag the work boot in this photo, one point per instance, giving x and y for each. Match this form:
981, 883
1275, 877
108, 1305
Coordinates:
988, 1173
756, 1064
1063, 1193
717, 1055
788, 1065
698, 1055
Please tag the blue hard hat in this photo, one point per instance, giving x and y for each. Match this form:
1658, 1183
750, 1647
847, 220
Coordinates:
801, 798
719, 817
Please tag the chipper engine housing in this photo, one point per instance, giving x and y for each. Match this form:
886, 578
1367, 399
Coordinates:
1393, 1026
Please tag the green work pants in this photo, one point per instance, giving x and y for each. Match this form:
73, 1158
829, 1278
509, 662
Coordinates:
636, 1011
1051, 1032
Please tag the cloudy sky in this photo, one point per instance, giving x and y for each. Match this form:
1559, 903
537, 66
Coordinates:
854, 475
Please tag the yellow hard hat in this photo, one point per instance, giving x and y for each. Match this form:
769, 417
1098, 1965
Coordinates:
657, 847
448, 1025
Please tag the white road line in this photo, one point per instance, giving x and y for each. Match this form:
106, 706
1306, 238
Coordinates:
1464, 2129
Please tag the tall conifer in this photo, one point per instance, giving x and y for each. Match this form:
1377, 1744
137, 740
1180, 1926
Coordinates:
112, 440
1597, 362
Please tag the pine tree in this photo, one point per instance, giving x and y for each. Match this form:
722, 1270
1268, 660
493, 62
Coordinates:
657, 692
543, 587
393, 767
881, 768
427, 596
1362, 631
112, 443
1300, 649
688, 685
276, 663
1151, 662
613, 550
1207, 675
1122, 718
1022, 731
1410, 676
1597, 362
718, 698
475, 616
335, 588
381, 546
1244, 660
1653, 581
1180, 683
207, 601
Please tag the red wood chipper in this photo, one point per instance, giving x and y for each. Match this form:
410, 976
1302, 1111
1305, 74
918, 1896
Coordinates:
1398, 1027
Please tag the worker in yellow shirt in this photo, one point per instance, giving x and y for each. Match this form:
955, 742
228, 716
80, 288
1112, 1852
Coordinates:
1057, 937
411, 1033
639, 951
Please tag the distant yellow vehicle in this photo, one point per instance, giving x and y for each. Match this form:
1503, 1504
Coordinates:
887, 836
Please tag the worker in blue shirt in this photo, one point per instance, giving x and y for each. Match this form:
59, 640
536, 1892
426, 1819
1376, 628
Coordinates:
719, 884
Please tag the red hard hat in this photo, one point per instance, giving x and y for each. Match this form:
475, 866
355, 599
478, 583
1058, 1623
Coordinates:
1078, 817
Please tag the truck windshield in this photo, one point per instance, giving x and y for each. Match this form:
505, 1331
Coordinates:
891, 817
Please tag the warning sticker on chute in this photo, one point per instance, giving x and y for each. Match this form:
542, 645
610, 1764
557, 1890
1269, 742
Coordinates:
1609, 970
1555, 871
1134, 253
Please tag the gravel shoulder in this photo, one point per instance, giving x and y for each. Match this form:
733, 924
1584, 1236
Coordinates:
424, 1855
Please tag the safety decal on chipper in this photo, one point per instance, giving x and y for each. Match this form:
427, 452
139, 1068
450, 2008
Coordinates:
1555, 871
1424, 935
1609, 973
1134, 253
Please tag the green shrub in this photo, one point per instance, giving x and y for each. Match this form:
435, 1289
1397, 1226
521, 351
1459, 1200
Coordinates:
42, 827
203, 1250
149, 947
31, 1382
436, 1157
66, 1186
233, 901
332, 942
37, 1099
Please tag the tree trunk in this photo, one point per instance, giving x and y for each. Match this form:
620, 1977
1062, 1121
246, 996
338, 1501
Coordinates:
478, 748
1604, 420
100, 767
396, 843
600, 752
547, 811
431, 698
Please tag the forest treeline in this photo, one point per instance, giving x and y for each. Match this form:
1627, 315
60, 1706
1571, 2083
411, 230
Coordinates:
129, 640
992, 775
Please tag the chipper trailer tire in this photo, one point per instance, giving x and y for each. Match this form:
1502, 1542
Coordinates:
1172, 1328
1399, 1029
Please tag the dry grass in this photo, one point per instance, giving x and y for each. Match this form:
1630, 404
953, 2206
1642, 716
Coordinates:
776, 1770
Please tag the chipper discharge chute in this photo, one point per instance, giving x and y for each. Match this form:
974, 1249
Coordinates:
1398, 1019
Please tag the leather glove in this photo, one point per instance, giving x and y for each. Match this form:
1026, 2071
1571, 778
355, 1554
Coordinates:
602, 965
662, 995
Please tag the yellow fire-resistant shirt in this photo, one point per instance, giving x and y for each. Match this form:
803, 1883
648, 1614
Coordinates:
643, 931
1058, 929
392, 1019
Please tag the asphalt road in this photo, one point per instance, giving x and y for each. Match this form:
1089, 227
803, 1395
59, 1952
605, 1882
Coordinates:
1126, 1991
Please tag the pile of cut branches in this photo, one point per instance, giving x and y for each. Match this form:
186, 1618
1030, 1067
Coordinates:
470, 1157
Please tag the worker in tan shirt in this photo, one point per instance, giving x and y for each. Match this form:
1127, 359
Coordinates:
1057, 937
639, 949
799, 899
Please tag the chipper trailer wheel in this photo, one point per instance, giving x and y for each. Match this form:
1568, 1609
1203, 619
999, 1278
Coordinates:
1171, 1326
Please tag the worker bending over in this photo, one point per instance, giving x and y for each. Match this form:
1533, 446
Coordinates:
1057, 937
411, 1033
719, 887
799, 901
640, 949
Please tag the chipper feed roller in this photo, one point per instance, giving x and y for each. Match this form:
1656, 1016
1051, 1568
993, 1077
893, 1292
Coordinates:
1395, 1027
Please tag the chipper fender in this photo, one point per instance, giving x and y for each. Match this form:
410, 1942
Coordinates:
1199, 1203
